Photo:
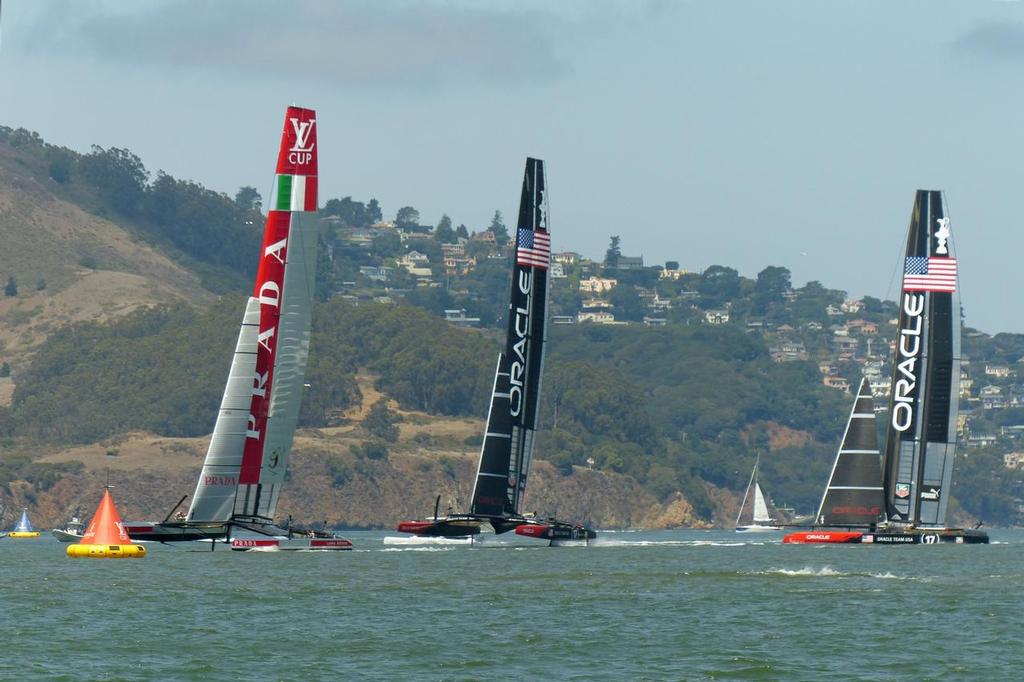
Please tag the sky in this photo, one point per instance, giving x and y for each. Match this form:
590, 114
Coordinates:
741, 133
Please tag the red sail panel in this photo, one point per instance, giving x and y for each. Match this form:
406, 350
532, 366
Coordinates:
269, 291
298, 145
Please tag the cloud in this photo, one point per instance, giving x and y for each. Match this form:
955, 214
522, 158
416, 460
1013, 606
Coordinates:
402, 44
993, 41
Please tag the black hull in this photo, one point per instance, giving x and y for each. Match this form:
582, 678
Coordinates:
460, 526
909, 536
955, 536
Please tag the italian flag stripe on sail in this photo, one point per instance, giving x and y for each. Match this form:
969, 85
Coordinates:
296, 193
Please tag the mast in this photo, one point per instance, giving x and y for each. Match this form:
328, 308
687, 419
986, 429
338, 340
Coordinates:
248, 454
921, 434
507, 451
854, 495
746, 493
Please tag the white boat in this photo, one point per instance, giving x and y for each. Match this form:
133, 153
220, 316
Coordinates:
72, 531
761, 518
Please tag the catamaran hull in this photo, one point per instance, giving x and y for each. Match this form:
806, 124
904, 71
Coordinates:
557, 533
954, 536
175, 532
290, 544
443, 528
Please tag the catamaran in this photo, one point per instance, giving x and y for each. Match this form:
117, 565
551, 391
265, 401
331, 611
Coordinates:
904, 497
507, 450
761, 520
240, 483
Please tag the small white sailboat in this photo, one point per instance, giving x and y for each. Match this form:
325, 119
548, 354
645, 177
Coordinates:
761, 519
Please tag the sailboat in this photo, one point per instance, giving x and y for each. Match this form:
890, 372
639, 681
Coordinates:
905, 498
761, 519
24, 528
240, 483
507, 450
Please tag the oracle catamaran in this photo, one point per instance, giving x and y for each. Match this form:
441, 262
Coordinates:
240, 483
904, 499
507, 450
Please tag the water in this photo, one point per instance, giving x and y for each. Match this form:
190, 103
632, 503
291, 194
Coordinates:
684, 605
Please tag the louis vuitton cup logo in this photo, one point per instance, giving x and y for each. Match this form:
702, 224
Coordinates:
301, 152
942, 236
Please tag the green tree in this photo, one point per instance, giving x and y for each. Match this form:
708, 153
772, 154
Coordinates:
497, 227
11, 290
444, 232
461, 231
119, 177
772, 283
5, 370
718, 285
612, 255
627, 302
382, 422
248, 199
408, 218
61, 161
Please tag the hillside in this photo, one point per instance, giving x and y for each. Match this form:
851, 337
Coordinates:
71, 266
661, 383
327, 481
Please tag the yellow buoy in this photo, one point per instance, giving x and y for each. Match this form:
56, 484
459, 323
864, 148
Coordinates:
24, 528
106, 538
106, 551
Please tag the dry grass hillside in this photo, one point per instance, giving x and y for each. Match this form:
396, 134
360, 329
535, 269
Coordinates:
71, 266
327, 482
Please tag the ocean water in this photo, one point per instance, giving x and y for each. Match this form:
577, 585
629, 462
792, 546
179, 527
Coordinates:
679, 605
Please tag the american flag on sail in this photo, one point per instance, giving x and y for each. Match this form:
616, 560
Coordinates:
930, 274
533, 248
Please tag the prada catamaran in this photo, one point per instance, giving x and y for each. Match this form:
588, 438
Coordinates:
903, 498
240, 483
507, 450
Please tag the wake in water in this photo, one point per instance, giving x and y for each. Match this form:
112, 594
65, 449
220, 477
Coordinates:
419, 541
829, 572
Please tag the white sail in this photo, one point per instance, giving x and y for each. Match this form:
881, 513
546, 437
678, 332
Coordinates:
215, 491
761, 514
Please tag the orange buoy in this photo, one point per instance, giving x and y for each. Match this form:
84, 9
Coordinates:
106, 538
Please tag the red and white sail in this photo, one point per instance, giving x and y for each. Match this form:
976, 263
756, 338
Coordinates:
245, 465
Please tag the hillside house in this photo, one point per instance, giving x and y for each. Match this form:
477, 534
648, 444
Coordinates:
377, 274
788, 351
833, 311
459, 319
563, 319
654, 321
630, 263
673, 273
851, 307
862, 326
597, 285
557, 271
716, 316
595, 316
998, 371
566, 258
1013, 460
837, 382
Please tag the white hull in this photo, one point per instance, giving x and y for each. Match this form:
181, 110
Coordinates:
758, 529
65, 536
421, 541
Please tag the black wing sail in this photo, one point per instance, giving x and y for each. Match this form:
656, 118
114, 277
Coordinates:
921, 433
527, 326
492, 476
854, 495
